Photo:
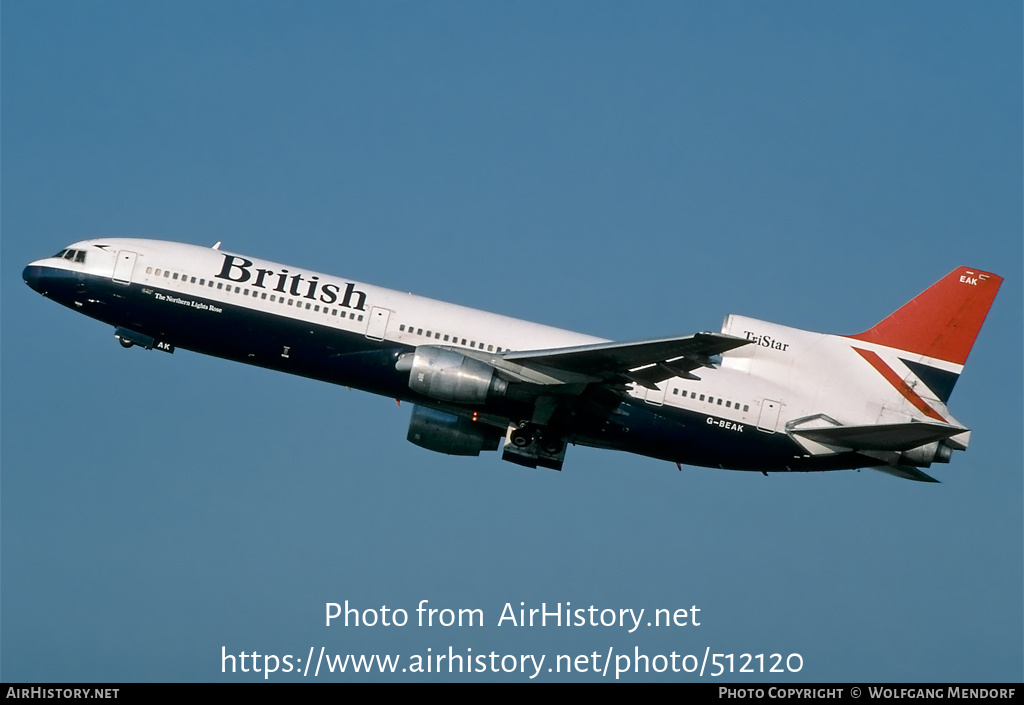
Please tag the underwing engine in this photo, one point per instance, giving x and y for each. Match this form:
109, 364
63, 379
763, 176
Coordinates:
441, 373
447, 433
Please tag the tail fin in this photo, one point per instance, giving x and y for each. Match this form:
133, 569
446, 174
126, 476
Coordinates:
943, 321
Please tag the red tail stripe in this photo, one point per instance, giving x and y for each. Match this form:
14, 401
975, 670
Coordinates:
902, 387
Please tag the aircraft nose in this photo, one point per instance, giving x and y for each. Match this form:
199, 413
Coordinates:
33, 276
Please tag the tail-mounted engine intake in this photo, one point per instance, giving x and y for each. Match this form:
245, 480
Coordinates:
444, 374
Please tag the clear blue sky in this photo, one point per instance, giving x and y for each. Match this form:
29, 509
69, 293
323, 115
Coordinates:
625, 170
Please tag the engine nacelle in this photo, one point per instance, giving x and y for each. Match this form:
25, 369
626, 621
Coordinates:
444, 374
923, 456
450, 434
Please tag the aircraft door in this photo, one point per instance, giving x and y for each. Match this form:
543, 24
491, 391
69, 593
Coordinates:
124, 266
656, 396
378, 324
769, 418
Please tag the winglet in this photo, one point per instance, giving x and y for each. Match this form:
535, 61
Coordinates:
943, 321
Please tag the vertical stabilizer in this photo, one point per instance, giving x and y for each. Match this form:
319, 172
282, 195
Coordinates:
943, 321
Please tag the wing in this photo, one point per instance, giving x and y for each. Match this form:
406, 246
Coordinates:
645, 362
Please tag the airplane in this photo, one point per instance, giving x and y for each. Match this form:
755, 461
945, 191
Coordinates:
755, 396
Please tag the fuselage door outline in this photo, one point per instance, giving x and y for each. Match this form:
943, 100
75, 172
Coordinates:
124, 266
768, 420
656, 396
378, 324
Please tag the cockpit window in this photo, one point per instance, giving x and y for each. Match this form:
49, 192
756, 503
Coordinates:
71, 255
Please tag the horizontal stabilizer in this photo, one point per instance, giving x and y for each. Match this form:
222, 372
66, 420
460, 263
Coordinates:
906, 472
895, 437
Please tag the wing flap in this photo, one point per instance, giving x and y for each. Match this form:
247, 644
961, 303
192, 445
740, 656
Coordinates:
646, 362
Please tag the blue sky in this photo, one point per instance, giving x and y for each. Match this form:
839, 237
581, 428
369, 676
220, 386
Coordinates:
625, 170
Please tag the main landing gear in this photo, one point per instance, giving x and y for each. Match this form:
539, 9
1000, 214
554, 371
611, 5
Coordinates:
534, 445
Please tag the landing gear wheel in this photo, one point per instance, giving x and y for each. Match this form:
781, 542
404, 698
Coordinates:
522, 437
552, 445
125, 343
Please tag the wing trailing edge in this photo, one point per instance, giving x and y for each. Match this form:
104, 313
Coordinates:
645, 362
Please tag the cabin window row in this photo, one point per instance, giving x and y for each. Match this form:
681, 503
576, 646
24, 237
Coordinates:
718, 401
453, 339
273, 298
